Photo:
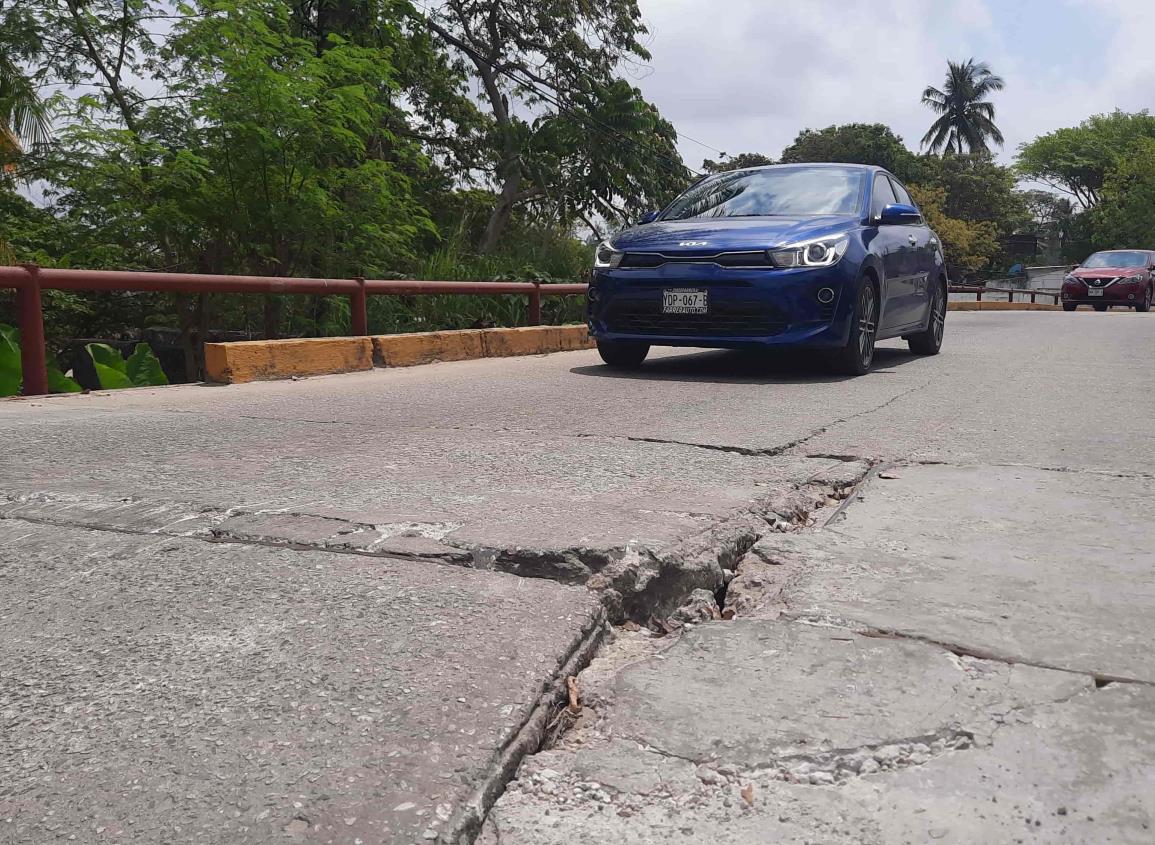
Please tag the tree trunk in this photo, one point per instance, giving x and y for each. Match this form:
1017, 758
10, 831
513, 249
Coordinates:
502, 212
186, 341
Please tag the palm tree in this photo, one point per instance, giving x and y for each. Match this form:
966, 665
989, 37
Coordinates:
965, 117
23, 115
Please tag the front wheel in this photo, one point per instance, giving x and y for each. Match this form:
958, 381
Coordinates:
623, 355
1144, 305
1099, 306
1070, 306
929, 342
855, 358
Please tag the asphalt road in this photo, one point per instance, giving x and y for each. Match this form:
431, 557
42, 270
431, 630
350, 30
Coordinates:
341, 609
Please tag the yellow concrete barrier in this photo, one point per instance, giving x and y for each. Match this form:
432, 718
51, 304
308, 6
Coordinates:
407, 350
535, 340
261, 360
1002, 306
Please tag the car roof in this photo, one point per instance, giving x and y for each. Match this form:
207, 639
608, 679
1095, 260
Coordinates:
844, 166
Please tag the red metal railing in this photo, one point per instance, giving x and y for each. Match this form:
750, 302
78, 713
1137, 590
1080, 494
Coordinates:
29, 281
979, 290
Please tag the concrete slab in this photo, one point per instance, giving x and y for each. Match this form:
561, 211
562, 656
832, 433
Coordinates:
1051, 568
157, 689
1037, 756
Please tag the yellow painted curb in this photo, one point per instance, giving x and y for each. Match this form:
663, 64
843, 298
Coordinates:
1002, 306
535, 340
260, 360
407, 350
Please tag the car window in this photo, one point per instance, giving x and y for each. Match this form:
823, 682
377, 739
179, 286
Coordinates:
900, 192
883, 195
1116, 258
793, 191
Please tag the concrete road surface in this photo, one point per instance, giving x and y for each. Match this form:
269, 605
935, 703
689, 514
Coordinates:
343, 609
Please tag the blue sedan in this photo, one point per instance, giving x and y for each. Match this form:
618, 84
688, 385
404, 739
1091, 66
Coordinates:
826, 256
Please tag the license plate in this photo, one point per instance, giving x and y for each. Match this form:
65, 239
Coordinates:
1095, 291
685, 301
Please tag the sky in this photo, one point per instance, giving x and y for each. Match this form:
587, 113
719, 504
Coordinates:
749, 75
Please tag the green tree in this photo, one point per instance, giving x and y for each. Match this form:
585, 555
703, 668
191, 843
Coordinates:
1076, 160
854, 143
976, 188
967, 245
547, 70
1123, 219
965, 116
738, 162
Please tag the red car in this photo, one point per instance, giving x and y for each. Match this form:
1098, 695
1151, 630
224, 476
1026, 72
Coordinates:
1115, 277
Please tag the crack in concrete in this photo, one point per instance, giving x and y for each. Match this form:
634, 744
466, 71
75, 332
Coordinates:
956, 648
1102, 473
465, 824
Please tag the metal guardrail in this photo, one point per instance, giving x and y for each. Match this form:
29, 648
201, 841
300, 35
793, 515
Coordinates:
30, 280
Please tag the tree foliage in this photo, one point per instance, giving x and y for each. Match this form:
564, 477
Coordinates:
1077, 160
968, 245
854, 143
1123, 218
966, 120
738, 162
562, 127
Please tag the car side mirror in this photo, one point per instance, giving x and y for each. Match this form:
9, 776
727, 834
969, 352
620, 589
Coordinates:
898, 213
648, 217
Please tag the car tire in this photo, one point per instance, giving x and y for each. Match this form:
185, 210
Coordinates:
929, 342
1144, 305
1070, 306
857, 356
1099, 306
623, 355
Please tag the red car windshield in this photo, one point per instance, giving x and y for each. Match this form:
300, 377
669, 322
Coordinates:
1118, 258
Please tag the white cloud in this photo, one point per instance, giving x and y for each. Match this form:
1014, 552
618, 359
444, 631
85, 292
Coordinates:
748, 75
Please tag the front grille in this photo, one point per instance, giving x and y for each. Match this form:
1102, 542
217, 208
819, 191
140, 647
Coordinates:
726, 319
1098, 283
730, 260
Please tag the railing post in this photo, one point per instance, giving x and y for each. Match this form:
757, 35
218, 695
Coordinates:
1032, 297
359, 310
979, 295
535, 305
1010, 295
30, 315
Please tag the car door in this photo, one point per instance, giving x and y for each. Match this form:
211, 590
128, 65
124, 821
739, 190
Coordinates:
920, 266
892, 247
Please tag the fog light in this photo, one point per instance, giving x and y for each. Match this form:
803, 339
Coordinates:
593, 294
1130, 296
826, 295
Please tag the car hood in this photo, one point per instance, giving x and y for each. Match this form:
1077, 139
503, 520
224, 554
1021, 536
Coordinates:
1106, 272
735, 233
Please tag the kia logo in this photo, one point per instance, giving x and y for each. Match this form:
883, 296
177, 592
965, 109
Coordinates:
692, 243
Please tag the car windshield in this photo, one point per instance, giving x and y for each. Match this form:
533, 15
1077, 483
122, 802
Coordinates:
773, 192
1116, 259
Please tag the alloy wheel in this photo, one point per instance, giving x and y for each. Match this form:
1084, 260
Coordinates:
867, 324
938, 314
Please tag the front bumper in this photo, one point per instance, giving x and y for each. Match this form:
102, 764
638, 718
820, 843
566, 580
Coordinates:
747, 308
1120, 292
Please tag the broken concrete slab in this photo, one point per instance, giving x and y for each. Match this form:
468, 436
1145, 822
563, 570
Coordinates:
160, 689
761, 693
851, 740
640, 536
1051, 568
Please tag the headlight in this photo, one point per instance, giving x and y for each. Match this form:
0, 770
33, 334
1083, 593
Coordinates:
607, 256
820, 252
